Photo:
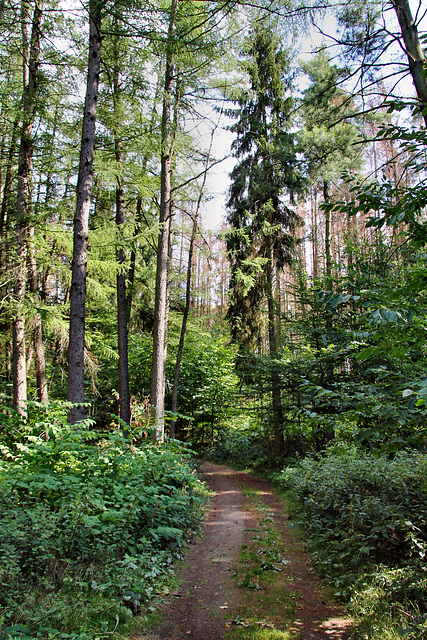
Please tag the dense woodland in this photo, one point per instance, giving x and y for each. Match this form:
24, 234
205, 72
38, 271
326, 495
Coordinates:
291, 339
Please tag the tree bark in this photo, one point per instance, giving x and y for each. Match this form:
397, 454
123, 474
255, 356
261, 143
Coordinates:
81, 221
174, 402
414, 50
272, 339
31, 55
161, 305
122, 328
132, 265
328, 256
39, 357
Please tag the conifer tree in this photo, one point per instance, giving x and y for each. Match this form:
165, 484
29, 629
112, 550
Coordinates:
161, 301
76, 350
30, 65
260, 239
329, 139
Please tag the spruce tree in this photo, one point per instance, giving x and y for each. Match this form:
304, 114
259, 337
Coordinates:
261, 236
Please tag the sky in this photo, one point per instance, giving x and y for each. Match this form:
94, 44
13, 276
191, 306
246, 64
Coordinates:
214, 209
217, 185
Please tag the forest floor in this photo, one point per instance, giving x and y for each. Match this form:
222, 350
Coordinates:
247, 577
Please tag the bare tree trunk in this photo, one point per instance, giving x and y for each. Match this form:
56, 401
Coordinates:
132, 265
183, 330
138, 213
327, 230
272, 339
31, 55
122, 327
161, 303
414, 50
81, 221
39, 357
315, 234
122, 330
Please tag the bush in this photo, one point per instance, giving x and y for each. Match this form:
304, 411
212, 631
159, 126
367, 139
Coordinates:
365, 520
89, 524
361, 509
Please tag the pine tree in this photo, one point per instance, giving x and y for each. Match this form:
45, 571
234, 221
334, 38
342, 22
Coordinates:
329, 139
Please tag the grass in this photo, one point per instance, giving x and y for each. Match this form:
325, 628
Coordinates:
268, 602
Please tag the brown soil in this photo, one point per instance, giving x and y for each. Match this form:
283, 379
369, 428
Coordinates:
210, 603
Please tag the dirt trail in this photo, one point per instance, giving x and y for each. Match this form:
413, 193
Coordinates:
209, 603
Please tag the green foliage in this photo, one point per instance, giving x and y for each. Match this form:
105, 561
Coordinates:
262, 225
90, 525
365, 519
207, 387
241, 443
354, 367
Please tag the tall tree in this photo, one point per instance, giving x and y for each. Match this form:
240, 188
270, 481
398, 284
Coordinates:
329, 139
76, 350
161, 302
261, 223
30, 64
122, 328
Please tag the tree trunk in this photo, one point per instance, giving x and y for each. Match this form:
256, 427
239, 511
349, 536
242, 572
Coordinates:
272, 339
122, 328
161, 305
138, 214
31, 55
414, 50
8, 175
81, 221
39, 357
174, 402
183, 330
132, 262
328, 256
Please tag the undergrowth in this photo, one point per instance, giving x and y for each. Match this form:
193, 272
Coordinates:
90, 525
267, 605
364, 517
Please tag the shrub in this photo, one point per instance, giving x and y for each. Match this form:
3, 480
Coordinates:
361, 509
88, 524
365, 520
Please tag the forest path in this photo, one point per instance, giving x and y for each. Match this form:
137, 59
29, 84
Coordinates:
247, 577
